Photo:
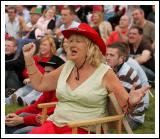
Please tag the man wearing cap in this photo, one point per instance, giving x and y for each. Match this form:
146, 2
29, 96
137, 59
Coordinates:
82, 83
25, 119
30, 34
35, 14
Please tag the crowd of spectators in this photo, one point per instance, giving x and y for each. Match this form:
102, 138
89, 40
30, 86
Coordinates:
118, 26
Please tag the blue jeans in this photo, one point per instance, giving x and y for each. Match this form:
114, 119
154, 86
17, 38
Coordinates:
150, 74
23, 91
32, 96
133, 124
19, 129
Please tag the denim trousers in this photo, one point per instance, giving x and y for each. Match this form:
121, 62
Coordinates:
31, 97
19, 129
150, 74
23, 91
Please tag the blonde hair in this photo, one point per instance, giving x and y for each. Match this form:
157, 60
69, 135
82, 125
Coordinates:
100, 15
94, 55
52, 44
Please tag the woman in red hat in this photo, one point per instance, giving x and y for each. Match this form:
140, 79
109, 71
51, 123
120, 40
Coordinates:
82, 83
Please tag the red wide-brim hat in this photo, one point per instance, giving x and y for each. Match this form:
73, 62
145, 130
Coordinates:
89, 32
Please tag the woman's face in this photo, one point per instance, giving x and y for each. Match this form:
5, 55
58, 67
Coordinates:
49, 14
65, 45
77, 48
45, 49
95, 18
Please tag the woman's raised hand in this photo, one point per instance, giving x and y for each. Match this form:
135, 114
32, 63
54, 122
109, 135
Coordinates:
136, 95
29, 49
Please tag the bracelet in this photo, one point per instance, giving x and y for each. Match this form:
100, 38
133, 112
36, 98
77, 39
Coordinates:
129, 108
31, 73
27, 65
31, 70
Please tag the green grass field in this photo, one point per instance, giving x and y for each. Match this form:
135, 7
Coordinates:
147, 128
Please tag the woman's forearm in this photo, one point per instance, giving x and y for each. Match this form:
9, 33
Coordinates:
34, 74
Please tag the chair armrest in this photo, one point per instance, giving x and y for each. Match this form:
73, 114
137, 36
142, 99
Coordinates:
44, 107
47, 105
95, 121
98, 122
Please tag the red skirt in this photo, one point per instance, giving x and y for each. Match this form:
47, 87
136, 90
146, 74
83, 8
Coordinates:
49, 127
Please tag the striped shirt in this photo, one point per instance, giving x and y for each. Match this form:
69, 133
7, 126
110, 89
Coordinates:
128, 76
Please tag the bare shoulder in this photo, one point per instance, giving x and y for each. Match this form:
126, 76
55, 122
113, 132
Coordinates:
109, 78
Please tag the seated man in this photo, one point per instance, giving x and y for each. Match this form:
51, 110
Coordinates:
14, 61
141, 51
116, 56
23, 120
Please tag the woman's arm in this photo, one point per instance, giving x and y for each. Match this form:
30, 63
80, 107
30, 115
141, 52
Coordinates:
113, 84
126, 101
39, 81
42, 82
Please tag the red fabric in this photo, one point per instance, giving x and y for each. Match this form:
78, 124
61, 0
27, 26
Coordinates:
49, 128
89, 32
36, 59
114, 36
33, 109
60, 7
123, 10
6, 36
31, 120
97, 8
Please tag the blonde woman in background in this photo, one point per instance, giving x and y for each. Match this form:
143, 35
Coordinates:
104, 28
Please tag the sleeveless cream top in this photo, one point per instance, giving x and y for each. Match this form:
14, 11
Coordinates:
87, 101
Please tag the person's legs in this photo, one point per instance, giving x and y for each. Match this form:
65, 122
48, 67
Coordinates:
23, 91
24, 130
150, 74
32, 96
19, 129
146, 101
133, 124
8, 100
12, 80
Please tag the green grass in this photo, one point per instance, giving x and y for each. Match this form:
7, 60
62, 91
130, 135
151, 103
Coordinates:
11, 108
147, 128
149, 125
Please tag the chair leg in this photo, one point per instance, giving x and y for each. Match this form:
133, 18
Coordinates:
74, 130
44, 115
119, 127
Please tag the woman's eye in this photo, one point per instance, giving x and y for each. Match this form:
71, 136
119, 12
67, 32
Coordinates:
78, 41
